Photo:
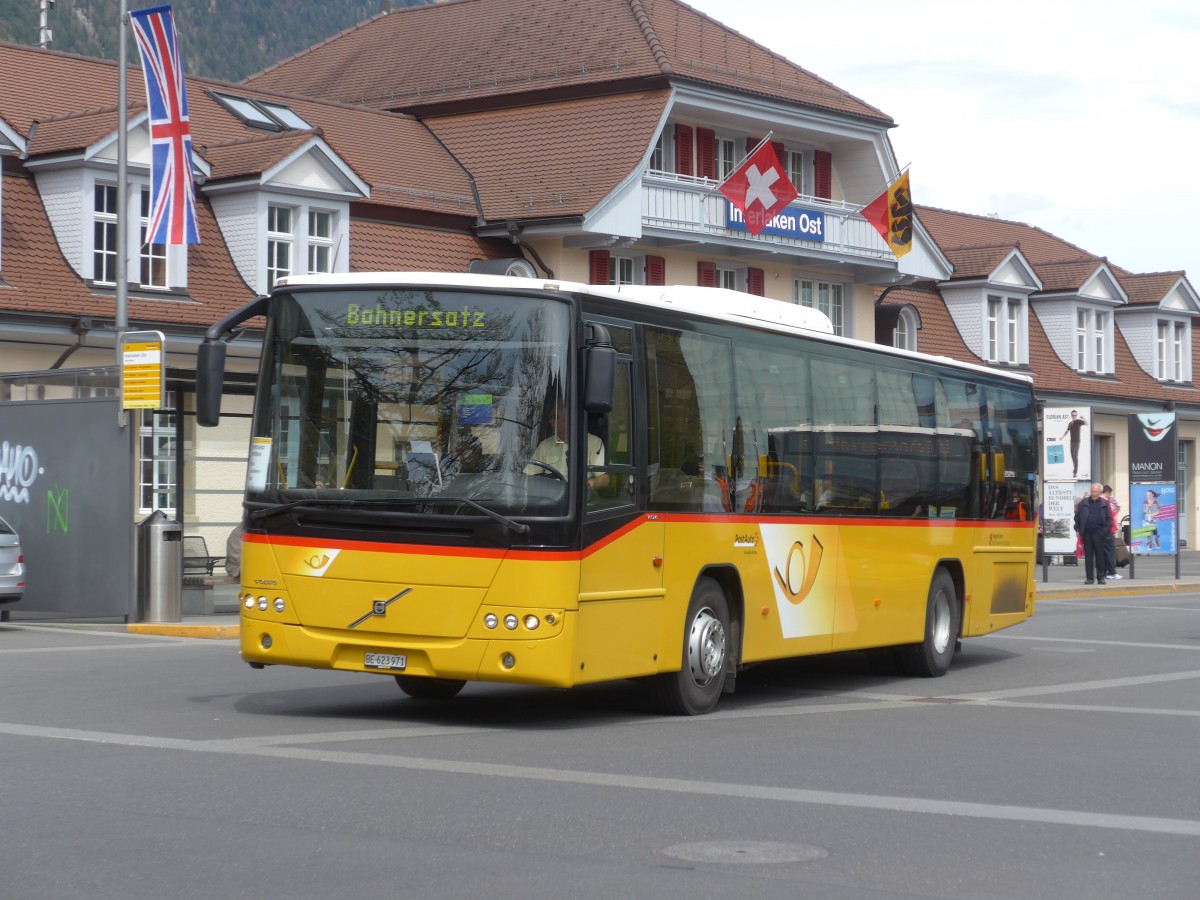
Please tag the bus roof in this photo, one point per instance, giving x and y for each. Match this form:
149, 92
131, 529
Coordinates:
711, 303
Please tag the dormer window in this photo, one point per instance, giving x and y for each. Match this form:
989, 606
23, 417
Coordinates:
1172, 362
1093, 340
1004, 335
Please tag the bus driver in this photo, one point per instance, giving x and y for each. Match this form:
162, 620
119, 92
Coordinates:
553, 451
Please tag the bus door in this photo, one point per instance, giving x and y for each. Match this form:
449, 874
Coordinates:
621, 574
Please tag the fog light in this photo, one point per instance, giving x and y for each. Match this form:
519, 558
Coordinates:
279, 604
249, 602
265, 642
262, 603
508, 660
490, 620
532, 622
510, 622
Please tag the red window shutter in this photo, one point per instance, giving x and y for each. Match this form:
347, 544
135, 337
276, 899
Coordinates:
706, 153
683, 150
598, 266
756, 282
706, 274
823, 174
780, 153
656, 270
751, 143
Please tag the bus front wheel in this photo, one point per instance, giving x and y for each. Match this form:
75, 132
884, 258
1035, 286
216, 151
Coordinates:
429, 688
931, 658
696, 687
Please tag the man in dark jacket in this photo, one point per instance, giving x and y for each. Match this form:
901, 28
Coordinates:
1093, 523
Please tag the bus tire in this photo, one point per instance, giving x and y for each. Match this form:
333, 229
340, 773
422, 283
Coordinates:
696, 687
931, 658
429, 688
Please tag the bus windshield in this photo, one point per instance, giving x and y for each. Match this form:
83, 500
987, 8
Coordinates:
411, 397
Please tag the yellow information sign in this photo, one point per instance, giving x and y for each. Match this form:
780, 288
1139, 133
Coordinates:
143, 370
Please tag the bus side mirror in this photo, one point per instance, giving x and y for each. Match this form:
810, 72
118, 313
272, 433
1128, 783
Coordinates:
210, 382
600, 371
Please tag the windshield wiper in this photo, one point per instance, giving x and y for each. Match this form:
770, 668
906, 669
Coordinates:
349, 502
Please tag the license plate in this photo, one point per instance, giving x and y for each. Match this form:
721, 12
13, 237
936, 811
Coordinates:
385, 661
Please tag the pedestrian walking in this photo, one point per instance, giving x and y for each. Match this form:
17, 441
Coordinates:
1093, 523
1110, 545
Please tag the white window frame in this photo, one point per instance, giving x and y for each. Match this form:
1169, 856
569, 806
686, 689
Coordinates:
725, 149
151, 257
1004, 336
158, 476
280, 243
622, 269
320, 245
1093, 340
797, 173
904, 335
105, 221
828, 297
659, 155
1172, 358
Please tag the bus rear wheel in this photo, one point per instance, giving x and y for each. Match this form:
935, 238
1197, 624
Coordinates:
931, 658
429, 688
696, 687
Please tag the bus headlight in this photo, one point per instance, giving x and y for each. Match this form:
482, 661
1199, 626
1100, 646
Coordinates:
532, 622
510, 622
279, 604
490, 621
262, 604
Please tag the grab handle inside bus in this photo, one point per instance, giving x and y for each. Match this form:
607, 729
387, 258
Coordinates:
600, 370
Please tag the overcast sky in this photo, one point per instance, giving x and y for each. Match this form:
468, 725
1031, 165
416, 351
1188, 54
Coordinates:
1080, 117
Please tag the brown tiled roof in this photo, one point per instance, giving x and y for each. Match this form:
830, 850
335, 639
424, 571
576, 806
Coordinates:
379, 247
73, 100
1150, 288
952, 230
471, 51
252, 155
73, 131
939, 335
977, 262
555, 159
1067, 274
39, 281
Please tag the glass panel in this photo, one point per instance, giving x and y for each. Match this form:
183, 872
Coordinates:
690, 406
412, 393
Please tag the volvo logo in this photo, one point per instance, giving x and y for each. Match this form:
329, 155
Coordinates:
378, 608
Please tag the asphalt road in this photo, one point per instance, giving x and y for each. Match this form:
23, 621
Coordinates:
1056, 760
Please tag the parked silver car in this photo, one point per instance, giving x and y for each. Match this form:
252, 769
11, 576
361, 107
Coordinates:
12, 565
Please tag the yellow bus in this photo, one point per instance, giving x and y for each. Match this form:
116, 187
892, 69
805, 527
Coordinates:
459, 478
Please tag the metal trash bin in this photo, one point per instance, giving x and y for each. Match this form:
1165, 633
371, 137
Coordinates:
160, 569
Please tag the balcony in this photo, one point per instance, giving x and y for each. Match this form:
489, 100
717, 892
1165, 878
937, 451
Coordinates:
680, 209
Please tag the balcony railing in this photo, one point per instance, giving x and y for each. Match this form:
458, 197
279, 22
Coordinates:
687, 205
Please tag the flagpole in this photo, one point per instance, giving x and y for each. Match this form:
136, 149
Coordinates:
887, 185
741, 162
122, 273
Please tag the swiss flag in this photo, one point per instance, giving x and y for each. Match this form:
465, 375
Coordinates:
759, 188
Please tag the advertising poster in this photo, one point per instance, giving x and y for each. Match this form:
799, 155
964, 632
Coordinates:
1058, 514
1152, 447
1067, 443
1152, 519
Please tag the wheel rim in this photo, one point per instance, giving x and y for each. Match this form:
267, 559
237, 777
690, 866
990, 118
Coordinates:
941, 622
706, 647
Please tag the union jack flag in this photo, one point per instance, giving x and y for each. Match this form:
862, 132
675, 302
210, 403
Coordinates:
172, 193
